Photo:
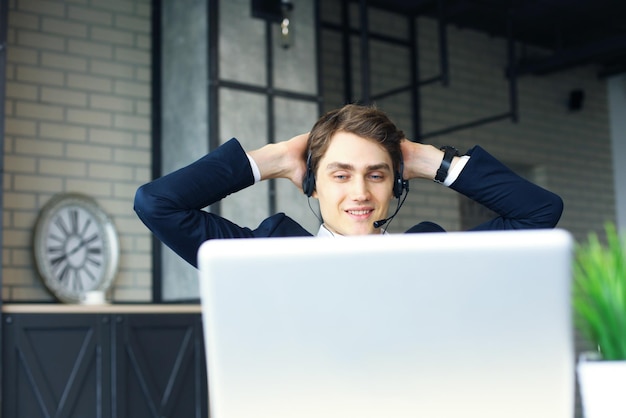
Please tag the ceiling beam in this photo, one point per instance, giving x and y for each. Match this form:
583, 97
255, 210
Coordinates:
570, 57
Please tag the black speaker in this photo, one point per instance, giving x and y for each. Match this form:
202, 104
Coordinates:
267, 10
576, 99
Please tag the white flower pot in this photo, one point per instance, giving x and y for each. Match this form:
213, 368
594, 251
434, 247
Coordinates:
602, 387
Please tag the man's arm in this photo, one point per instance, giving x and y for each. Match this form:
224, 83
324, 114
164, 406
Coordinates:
171, 206
520, 203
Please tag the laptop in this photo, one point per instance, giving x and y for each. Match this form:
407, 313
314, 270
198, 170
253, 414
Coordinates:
462, 324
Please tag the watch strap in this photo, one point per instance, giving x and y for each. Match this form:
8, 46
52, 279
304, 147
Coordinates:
449, 153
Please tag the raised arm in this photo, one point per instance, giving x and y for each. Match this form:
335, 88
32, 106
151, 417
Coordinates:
172, 206
519, 203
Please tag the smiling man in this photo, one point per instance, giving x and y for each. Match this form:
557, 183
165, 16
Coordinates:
354, 184
355, 162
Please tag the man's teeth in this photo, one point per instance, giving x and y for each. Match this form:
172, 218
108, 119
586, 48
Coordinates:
359, 212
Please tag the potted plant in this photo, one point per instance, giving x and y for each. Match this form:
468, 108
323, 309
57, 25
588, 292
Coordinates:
599, 304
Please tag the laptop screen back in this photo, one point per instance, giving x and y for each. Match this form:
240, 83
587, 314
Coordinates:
472, 324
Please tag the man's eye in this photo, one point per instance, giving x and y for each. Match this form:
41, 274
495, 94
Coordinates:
341, 176
377, 177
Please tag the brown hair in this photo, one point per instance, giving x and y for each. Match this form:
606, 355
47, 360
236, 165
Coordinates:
364, 121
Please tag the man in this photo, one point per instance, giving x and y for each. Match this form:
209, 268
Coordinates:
355, 162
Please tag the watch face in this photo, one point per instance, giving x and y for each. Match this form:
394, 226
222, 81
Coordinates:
75, 247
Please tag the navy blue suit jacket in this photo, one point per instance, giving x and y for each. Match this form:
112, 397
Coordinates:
171, 206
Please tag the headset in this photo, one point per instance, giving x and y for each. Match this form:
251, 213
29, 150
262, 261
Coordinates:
308, 182
400, 185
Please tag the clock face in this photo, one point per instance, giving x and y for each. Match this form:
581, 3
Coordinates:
76, 247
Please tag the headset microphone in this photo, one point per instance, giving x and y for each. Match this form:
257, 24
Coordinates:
381, 222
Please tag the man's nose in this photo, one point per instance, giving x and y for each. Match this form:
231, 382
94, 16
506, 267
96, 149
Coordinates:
360, 189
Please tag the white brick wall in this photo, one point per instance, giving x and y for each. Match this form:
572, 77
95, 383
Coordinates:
77, 120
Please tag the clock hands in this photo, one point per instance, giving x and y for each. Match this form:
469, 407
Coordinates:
82, 243
66, 257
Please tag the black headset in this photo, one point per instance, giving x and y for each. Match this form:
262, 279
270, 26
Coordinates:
308, 182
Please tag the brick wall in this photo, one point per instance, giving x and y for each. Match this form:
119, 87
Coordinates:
77, 120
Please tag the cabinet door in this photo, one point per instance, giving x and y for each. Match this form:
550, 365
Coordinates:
159, 369
55, 366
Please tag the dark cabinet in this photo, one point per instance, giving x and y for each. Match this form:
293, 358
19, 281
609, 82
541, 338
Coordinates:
103, 365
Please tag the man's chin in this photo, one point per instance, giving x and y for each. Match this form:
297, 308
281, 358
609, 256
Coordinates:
355, 228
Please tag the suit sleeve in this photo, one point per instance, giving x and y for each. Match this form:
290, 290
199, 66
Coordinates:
519, 203
171, 206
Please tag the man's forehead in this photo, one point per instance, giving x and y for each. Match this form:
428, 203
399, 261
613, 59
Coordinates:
348, 148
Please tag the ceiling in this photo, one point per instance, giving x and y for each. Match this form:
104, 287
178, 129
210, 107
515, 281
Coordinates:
570, 32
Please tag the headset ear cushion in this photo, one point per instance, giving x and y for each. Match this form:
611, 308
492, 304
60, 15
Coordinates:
397, 185
308, 183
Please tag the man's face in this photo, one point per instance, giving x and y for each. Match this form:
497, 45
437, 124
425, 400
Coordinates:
354, 184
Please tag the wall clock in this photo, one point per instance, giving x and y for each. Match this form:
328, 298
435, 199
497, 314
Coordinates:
76, 247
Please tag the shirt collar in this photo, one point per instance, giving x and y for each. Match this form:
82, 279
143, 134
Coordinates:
325, 232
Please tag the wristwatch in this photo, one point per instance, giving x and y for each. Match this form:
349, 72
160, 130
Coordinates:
449, 153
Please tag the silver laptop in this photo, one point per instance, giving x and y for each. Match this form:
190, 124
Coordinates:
467, 324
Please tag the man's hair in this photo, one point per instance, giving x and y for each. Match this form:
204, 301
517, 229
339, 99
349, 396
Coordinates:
364, 121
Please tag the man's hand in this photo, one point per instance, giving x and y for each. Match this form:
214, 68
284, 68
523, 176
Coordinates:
421, 160
285, 159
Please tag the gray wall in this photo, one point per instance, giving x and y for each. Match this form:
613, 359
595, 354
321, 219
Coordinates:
617, 108
244, 115
184, 113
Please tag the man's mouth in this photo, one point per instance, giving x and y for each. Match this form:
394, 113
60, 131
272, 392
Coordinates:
360, 212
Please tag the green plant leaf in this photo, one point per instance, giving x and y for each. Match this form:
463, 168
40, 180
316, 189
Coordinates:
599, 293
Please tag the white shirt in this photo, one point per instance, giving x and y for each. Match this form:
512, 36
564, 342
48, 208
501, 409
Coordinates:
326, 233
